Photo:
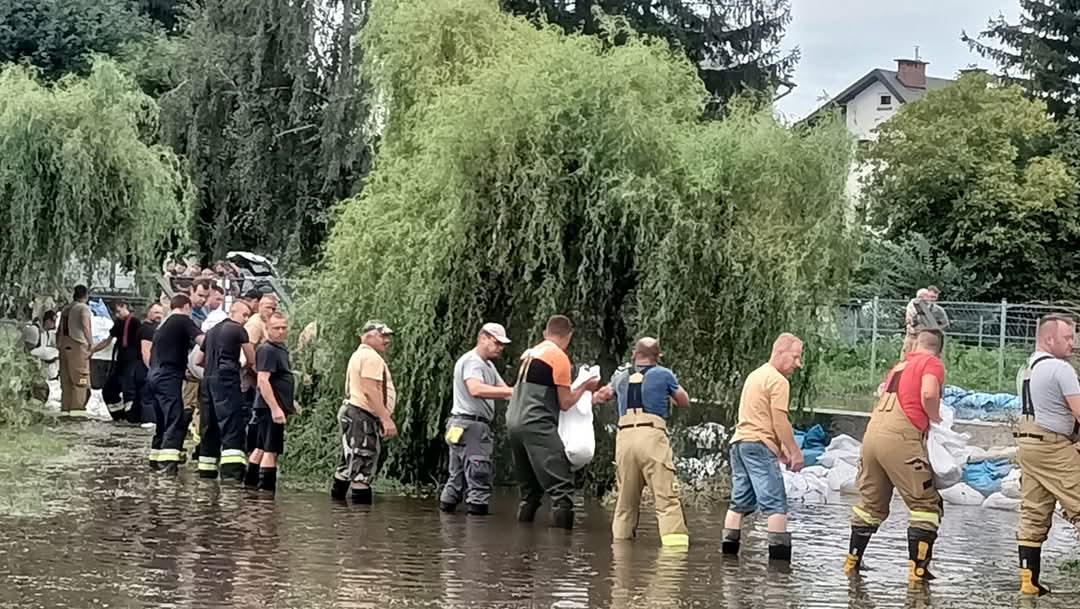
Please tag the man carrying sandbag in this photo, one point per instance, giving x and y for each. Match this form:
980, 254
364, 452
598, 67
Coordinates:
894, 455
477, 384
642, 451
543, 389
1048, 431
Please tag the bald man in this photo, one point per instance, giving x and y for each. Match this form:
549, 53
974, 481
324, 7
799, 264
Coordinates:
642, 452
223, 427
1049, 428
763, 440
894, 456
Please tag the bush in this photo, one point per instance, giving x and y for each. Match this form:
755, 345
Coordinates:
22, 379
524, 172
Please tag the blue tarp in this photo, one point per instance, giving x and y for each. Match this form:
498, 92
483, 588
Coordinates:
974, 405
813, 443
98, 308
986, 476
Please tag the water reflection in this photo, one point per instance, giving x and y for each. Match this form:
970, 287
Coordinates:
115, 535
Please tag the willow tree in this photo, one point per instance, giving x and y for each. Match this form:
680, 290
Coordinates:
526, 172
78, 180
267, 116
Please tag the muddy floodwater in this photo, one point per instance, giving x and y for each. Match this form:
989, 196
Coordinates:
113, 536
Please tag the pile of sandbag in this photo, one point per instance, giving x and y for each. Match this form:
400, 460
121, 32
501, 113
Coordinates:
964, 475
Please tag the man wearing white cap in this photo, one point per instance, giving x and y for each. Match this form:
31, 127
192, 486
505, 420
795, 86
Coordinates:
477, 385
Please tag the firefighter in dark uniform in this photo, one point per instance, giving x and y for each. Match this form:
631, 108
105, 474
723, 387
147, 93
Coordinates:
222, 419
168, 364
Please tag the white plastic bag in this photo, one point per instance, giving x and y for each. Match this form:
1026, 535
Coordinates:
576, 424
999, 501
948, 450
962, 494
843, 448
843, 477
1010, 486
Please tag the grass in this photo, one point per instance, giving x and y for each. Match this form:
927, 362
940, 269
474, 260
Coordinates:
846, 377
22, 451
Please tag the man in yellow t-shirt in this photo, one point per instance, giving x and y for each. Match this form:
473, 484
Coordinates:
763, 440
365, 415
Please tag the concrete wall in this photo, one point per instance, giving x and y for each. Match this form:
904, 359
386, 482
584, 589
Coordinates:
984, 435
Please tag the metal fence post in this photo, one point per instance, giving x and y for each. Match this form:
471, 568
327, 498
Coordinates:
1001, 344
873, 341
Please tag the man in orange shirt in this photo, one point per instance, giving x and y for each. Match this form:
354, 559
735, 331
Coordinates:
365, 417
763, 440
532, 419
894, 455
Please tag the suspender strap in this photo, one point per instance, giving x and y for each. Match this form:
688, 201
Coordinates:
1027, 408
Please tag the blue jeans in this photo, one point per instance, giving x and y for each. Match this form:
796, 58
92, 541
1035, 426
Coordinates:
756, 481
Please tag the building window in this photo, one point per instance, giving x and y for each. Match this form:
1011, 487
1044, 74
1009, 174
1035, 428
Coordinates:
886, 100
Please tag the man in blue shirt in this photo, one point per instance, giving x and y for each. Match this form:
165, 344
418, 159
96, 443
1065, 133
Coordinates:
642, 452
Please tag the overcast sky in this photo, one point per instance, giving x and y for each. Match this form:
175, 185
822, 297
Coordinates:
842, 40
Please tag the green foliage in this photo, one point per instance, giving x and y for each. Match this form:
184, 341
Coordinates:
77, 180
59, 36
734, 43
971, 168
848, 377
263, 106
895, 269
18, 408
523, 172
1038, 51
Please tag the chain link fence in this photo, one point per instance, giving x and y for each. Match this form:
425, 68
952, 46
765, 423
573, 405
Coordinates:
986, 344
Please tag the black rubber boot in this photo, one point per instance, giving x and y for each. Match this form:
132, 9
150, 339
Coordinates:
729, 543
476, 509
268, 479
234, 472
251, 475
780, 546
920, 552
362, 496
208, 474
155, 466
339, 490
448, 508
860, 538
526, 512
563, 518
169, 468
1030, 566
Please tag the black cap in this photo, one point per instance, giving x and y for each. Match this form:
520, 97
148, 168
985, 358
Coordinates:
253, 294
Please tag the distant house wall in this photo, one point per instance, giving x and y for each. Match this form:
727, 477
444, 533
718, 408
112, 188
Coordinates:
865, 112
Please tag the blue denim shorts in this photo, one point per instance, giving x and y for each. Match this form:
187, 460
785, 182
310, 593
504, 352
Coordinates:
757, 483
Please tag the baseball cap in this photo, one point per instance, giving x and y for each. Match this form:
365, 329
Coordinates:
253, 294
375, 325
497, 331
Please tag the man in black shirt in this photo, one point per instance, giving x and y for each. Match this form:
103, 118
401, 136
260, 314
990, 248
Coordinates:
121, 391
168, 363
222, 423
274, 400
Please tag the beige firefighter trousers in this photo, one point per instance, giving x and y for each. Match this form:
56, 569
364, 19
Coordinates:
643, 458
1049, 474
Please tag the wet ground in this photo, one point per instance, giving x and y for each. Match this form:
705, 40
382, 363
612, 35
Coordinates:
113, 536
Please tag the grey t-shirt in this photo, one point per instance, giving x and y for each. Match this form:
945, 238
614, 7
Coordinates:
472, 366
1051, 381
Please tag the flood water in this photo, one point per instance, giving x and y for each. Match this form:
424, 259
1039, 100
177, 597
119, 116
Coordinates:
116, 536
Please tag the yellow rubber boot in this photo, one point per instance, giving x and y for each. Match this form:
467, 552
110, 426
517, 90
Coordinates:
920, 552
1030, 566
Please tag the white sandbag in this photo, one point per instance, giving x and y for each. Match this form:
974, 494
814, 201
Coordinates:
842, 448
815, 471
96, 408
977, 453
576, 424
100, 327
842, 478
998, 501
1010, 485
948, 450
961, 494
805, 488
